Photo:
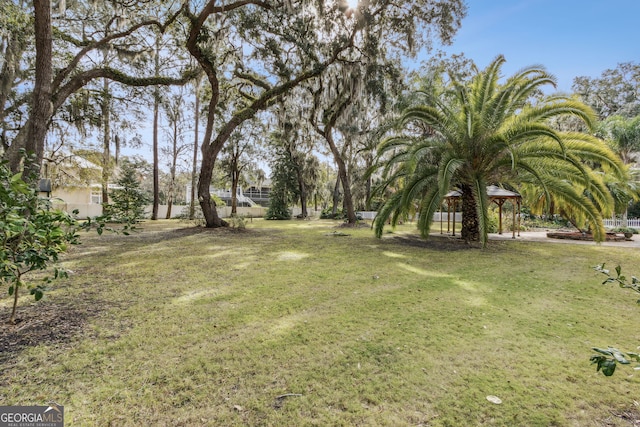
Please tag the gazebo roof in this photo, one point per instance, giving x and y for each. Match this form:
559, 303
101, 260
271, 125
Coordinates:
493, 191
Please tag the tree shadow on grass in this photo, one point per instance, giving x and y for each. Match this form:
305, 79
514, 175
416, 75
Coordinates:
438, 243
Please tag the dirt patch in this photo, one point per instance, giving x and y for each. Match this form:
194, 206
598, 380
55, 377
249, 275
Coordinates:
575, 235
45, 323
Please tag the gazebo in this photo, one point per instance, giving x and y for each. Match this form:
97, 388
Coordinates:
496, 195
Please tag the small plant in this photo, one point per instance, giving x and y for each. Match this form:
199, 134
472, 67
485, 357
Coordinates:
237, 222
607, 359
619, 279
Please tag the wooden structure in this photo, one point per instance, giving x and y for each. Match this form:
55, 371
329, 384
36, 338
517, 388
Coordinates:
496, 195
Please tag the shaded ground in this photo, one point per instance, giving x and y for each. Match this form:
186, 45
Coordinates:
609, 237
46, 323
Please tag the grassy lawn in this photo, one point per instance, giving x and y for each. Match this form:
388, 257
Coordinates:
287, 324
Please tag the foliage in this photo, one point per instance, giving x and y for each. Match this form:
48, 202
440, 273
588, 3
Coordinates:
614, 92
32, 236
553, 222
284, 187
634, 210
278, 207
327, 213
619, 279
471, 134
625, 230
237, 222
607, 359
624, 134
127, 202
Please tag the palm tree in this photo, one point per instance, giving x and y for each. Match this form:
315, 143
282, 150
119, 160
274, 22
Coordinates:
624, 135
472, 134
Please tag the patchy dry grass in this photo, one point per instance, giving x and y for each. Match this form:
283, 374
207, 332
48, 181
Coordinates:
289, 323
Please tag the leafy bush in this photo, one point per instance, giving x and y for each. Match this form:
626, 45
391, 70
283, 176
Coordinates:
32, 236
327, 213
493, 222
625, 230
237, 222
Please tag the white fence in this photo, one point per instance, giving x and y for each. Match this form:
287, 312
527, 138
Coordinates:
371, 215
619, 222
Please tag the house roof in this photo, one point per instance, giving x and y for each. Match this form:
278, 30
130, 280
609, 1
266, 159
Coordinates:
493, 191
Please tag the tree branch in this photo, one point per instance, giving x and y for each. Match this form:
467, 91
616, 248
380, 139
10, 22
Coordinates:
65, 72
82, 79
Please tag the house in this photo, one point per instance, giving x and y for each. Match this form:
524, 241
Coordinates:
251, 196
74, 184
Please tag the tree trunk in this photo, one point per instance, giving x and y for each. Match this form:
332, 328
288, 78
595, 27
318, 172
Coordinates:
235, 176
303, 194
367, 207
174, 166
346, 185
16, 290
194, 166
156, 161
336, 197
156, 168
169, 203
470, 223
106, 153
208, 206
41, 106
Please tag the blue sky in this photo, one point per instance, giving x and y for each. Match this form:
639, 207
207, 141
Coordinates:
569, 37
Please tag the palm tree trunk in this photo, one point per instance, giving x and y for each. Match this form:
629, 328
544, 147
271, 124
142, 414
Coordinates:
470, 224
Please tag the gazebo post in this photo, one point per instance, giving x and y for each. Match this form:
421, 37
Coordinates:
500, 202
441, 218
448, 215
454, 217
519, 215
514, 222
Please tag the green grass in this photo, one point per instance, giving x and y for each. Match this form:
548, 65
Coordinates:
209, 327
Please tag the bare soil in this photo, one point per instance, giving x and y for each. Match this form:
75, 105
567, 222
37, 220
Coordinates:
45, 322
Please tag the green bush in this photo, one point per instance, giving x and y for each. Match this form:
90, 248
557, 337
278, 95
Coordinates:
327, 213
625, 230
493, 223
32, 237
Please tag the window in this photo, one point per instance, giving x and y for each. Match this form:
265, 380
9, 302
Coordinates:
96, 196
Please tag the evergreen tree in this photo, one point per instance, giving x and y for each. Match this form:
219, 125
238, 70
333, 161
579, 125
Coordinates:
284, 187
129, 200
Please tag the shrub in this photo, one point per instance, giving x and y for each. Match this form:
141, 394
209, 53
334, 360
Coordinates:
625, 230
32, 237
